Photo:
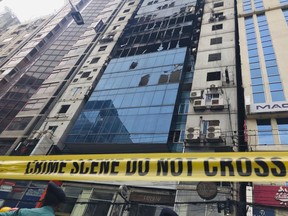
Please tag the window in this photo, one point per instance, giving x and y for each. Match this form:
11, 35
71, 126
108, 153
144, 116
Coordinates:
102, 48
121, 18
211, 76
19, 123
217, 40
126, 11
131, 3
115, 27
85, 74
178, 136
133, 65
217, 27
52, 128
218, 4
94, 60
265, 134
214, 57
144, 80
64, 108
283, 130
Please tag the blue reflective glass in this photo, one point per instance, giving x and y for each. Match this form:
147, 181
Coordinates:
270, 63
274, 79
275, 86
278, 96
257, 89
283, 130
255, 73
257, 81
132, 107
272, 70
252, 53
265, 135
285, 12
259, 97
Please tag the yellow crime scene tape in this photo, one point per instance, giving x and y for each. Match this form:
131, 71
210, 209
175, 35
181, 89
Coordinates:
228, 166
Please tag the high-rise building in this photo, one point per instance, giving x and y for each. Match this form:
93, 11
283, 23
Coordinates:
263, 34
7, 18
144, 76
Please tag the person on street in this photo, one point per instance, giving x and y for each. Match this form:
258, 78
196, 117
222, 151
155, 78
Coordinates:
54, 196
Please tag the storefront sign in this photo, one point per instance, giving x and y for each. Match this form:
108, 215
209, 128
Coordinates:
269, 107
152, 198
271, 195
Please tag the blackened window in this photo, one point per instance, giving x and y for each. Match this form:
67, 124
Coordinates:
218, 4
211, 76
144, 80
133, 65
217, 27
94, 60
86, 74
217, 40
64, 108
121, 18
214, 57
102, 48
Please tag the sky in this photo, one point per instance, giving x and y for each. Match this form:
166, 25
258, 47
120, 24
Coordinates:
27, 10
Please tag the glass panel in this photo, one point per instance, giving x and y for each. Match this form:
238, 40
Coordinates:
265, 134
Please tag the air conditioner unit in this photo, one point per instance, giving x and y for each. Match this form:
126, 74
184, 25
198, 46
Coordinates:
199, 104
35, 135
196, 94
192, 134
217, 103
213, 134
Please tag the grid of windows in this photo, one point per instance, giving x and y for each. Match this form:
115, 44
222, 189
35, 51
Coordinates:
16, 97
132, 106
275, 84
265, 132
258, 4
254, 62
247, 6
285, 12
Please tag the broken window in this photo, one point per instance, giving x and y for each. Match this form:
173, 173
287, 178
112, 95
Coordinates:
163, 79
144, 80
175, 77
133, 65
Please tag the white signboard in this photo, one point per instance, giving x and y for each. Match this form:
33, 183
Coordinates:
281, 106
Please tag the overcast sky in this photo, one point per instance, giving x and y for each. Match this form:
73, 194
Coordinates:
27, 10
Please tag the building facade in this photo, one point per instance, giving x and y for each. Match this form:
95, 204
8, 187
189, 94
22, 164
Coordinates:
144, 76
263, 33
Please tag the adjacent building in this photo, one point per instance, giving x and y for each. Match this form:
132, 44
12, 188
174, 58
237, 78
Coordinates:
263, 34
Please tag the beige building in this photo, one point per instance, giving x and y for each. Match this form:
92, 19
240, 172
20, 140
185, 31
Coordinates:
263, 33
